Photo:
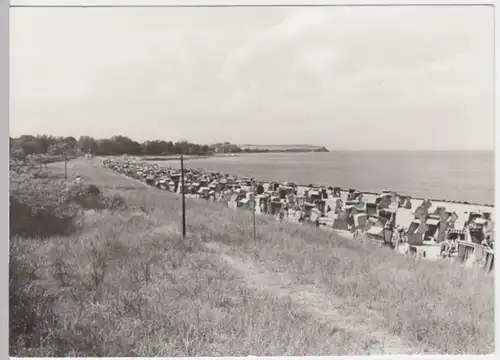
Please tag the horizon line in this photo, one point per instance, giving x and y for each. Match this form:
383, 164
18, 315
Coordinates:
247, 144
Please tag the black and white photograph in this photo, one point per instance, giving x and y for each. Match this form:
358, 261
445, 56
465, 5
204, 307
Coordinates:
219, 181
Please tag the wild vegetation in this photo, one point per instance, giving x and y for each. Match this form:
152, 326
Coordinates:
123, 145
116, 145
99, 268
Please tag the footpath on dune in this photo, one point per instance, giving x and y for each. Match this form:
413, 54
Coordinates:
282, 285
361, 322
296, 269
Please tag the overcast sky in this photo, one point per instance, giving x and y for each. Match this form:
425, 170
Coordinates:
349, 78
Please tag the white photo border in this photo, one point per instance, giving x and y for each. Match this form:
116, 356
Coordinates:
4, 115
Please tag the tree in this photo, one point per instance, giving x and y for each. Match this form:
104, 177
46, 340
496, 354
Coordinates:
28, 144
71, 141
180, 147
18, 155
134, 148
87, 144
170, 147
61, 149
156, 147
106, 147
125, 145
46, 141
116, 145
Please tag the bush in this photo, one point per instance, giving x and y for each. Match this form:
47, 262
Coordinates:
90, 197
92, 190
43, 207
115, 202
87, 197
28, 221
40, 207
30, 306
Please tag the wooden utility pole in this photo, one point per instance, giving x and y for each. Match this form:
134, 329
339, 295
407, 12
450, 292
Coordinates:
65, 167
183, 199
253, 209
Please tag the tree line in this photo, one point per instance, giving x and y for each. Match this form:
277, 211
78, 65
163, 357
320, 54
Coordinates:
117, 145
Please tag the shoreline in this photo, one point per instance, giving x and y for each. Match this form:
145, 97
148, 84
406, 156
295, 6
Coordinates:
372, 192
220, 155
430, 249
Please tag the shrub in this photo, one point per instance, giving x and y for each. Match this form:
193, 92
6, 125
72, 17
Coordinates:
114, 202
40, 207
28, 221
43, 206
92, 190
90, 197
30, 306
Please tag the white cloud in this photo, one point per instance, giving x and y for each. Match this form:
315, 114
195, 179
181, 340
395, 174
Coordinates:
316, 72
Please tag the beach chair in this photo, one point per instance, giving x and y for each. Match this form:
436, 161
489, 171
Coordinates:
489, 260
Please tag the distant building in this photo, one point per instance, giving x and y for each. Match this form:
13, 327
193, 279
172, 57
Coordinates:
225, 148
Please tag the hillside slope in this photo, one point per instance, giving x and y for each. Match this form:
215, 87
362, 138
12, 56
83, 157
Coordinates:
295, 290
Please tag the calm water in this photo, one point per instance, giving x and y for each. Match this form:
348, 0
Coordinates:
459, 176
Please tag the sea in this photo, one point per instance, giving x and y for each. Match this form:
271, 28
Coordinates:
465, 176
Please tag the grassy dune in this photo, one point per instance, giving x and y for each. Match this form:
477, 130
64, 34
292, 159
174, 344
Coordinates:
122, 282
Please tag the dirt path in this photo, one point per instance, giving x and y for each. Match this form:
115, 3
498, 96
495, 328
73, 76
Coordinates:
324, 307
